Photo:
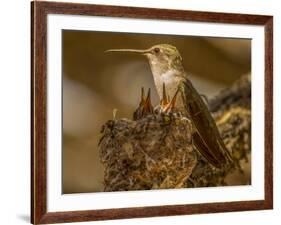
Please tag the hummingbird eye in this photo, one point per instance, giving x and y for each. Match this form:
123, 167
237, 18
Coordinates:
156, 50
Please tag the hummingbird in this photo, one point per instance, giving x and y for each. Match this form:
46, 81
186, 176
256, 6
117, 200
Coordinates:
145, 106
170, 79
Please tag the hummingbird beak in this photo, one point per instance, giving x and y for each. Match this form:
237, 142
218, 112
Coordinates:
171, 105
148, 108
164, 101
143, 52
142, 102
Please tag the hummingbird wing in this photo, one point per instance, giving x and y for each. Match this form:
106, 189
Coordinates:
206, 138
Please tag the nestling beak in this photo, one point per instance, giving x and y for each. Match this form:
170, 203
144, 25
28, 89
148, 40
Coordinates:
143, 52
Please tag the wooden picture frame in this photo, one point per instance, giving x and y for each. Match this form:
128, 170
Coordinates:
40, 11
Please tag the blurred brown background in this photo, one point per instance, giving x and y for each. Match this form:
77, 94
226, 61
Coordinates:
94, 83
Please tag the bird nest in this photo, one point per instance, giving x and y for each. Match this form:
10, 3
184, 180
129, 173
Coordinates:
154, 150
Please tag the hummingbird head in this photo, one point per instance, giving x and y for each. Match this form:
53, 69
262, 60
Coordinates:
162, 58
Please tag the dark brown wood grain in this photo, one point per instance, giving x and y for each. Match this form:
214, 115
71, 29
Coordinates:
32, 118
268, 116
39, 12
39, 71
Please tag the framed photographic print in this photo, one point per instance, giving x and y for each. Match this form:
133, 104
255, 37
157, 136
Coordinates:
141, 112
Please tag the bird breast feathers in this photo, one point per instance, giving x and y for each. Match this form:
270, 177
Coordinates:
168, 76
